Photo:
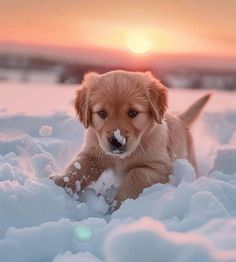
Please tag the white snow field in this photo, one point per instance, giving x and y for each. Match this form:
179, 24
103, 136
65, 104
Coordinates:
189, 219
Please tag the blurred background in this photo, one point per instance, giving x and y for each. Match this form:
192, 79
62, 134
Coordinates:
185, 43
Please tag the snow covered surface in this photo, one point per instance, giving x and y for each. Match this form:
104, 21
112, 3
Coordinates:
189, 219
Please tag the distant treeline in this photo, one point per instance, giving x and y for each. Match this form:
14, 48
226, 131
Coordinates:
35, 68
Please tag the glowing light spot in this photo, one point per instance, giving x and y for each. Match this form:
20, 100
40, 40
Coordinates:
138, 43
83, 232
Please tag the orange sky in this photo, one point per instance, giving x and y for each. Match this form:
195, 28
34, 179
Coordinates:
162, 26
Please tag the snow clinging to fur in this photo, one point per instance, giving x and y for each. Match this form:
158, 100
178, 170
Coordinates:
121, 139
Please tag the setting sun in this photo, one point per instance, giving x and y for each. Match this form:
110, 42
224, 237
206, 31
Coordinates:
138, 44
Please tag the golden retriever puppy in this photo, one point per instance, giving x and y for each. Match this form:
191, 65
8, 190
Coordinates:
128, 131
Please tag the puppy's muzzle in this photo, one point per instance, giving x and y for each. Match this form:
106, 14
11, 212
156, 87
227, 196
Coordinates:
116, 145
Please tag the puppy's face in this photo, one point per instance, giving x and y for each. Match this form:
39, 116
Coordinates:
121, 107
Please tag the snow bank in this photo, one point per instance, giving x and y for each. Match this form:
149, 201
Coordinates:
31, 204
202, 212
189, 219
148, 240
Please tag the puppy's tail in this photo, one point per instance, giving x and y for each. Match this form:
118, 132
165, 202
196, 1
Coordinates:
191, 114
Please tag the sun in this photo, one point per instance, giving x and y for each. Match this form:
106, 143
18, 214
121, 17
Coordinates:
138, 43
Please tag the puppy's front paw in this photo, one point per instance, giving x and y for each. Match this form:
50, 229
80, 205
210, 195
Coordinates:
68, 182
59, 180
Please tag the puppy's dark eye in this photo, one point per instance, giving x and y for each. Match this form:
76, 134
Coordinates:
102, 113
132, 113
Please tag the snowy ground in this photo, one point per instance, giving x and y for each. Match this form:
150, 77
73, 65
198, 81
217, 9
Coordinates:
187, 220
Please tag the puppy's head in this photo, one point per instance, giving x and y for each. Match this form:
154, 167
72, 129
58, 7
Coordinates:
121, 107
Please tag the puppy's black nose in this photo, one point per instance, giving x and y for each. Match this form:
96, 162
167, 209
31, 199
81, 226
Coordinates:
114, 142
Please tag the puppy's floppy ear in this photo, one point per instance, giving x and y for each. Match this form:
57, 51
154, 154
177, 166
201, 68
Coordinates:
82, 106
158, 98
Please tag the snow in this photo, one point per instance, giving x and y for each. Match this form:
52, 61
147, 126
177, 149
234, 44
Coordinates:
121, 139
182, 172
66, 179
189, 219
83, 257
148, 240
225, 160
106, 182
45, 131
77, 165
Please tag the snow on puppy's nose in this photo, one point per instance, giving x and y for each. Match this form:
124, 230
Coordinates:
121, 139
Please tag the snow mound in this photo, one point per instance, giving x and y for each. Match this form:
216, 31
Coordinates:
148, 240
45, 131
225, 160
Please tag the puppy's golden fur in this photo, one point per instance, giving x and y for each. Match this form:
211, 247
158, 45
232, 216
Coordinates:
148, 140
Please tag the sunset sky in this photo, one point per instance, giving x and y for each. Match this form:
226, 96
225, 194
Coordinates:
168, 26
